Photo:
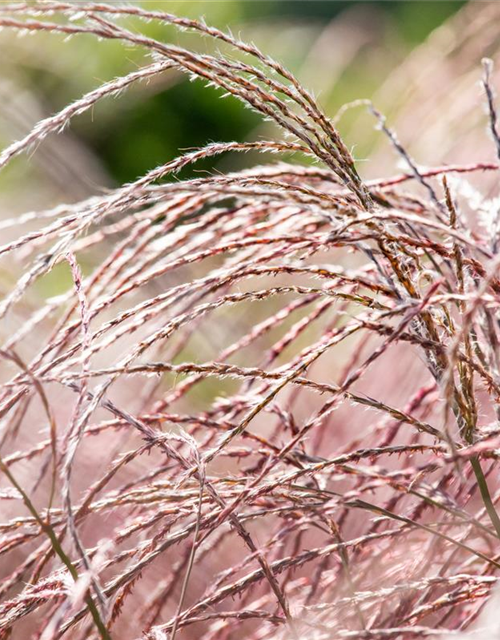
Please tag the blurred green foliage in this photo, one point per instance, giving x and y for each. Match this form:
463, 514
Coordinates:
133, 134
187, 115
415, 18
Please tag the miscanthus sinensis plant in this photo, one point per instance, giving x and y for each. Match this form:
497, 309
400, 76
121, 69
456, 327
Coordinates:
267, 405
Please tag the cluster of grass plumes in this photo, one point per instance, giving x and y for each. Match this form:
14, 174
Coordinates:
268, 407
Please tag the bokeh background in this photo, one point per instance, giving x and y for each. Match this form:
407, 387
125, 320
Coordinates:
342, 51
